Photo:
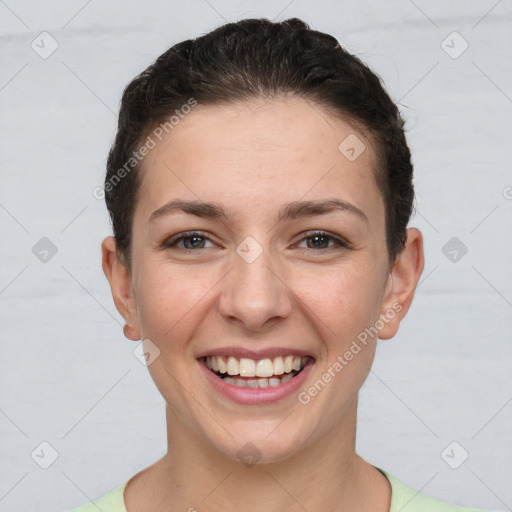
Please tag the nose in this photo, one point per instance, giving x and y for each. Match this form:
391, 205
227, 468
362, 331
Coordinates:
253, 294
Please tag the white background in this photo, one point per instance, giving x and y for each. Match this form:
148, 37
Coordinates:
67, 374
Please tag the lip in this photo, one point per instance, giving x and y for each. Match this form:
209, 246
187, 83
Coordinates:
256, 396
240, 352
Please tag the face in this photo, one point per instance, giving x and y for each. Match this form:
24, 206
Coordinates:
250, 299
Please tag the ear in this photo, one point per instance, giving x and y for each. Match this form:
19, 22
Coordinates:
119, 277
401, 284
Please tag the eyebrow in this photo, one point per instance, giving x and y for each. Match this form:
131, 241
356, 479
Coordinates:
291, 210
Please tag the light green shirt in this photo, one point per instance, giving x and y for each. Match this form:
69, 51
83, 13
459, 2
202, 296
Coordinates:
403, 499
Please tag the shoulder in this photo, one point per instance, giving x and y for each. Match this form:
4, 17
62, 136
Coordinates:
405, 499
113, 501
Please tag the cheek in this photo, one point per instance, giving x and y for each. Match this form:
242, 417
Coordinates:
343, 300
168, 300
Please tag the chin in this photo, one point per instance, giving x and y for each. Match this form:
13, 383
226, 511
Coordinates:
260, 445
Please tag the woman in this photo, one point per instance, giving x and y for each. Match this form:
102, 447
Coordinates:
260, 187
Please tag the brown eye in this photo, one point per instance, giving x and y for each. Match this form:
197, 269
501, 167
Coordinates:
321, 240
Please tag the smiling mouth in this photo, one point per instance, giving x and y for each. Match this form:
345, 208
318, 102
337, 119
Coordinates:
262, 373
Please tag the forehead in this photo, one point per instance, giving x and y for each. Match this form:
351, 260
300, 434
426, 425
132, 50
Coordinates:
260, 152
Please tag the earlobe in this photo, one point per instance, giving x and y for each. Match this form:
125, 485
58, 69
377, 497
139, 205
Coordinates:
119, 277
401, 284
131, 333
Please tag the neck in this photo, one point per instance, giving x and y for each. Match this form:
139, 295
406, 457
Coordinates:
325, 475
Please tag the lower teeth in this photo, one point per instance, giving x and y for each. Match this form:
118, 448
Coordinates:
259, 382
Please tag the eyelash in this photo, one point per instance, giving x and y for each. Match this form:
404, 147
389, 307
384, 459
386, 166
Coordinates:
173, 242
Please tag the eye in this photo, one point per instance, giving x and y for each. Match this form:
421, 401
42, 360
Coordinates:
315, 240
321, 240
191, 240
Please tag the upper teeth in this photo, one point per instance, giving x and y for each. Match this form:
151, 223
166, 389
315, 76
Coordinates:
255, 368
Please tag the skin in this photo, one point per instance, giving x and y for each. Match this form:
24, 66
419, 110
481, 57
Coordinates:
252, 158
